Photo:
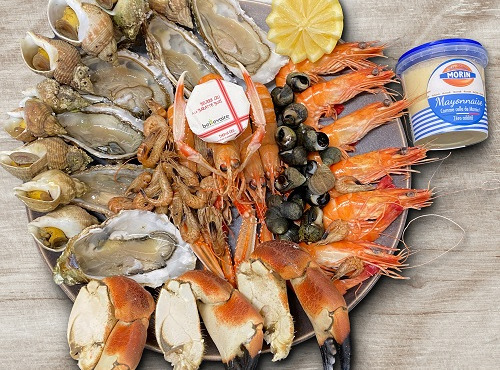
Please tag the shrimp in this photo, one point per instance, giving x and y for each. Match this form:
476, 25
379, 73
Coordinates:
269, 151
372, 166
353, 127
351, 55
156, 137
320, 99
331, 256
373, 205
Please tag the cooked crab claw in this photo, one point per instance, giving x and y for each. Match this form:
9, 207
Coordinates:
108, 324
266, 271
232, 322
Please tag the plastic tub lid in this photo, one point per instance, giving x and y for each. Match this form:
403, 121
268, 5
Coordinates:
446, 47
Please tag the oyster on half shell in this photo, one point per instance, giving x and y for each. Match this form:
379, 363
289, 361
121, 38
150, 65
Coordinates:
235, 37
176, 50
131, 83
105, 131
104, 183
141, 245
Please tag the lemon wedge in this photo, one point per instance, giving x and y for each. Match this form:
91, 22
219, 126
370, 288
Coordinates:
305, 29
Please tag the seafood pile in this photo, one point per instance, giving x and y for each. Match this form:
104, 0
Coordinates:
132, 198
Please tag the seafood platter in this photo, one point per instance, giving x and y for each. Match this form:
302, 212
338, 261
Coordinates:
211, 179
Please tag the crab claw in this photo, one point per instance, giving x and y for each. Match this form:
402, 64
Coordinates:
179, 129
268, 268
232, 322
108, 324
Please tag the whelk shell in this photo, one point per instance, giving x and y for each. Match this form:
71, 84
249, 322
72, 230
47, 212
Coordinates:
61, 98
58, 60
176, 11
40, 121
48, 190
142, 245
15, 126
322, 180
95, 30
129, 15
176, 50
49, 153
53, 230
234, 37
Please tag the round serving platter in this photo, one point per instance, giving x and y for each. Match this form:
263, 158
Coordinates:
389, 135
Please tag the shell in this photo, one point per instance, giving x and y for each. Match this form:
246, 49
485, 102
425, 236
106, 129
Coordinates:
322, 180
43, 154
105, 131
40, 121
234, 37
176, 11
65, 64
104, 183
60, 98
71, 220
61, 188
129, 84
103, 244
95, 31
15, 126
25, 162
129, 15
176, 50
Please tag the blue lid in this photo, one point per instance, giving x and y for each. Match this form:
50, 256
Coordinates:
446, 47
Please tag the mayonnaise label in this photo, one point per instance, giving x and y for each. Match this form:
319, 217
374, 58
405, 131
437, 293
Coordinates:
455, 92
218, 111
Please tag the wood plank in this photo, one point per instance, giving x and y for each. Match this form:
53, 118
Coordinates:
445, 316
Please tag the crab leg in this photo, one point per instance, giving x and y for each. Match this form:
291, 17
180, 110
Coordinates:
269, 266
233, 324
179, 120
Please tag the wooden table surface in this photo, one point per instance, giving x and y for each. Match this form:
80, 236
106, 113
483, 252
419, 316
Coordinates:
444, 316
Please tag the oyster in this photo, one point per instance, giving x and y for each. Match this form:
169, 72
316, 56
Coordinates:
53, 230
131, 83
177, 50
55, 59
50, 153
141, 245
94, 28
48, 190
176, 11
104, 183
234, 37
105, 131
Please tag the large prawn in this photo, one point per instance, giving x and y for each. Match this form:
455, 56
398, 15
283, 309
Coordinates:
351, 55
320, 99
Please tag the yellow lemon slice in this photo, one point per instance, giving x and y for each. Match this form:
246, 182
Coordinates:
305, 28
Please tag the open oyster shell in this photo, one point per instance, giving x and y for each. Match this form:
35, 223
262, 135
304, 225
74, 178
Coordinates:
105, 131
141, 245
176, 50
104, 183
234, 37
49, 153
53, 230
176, 11
129, 84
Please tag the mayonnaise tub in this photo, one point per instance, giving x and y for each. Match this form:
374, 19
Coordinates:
445, 81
